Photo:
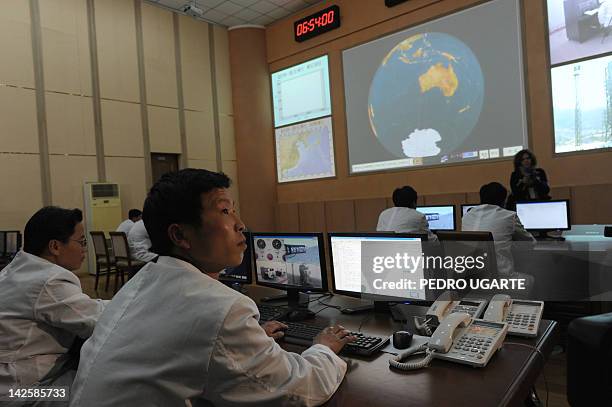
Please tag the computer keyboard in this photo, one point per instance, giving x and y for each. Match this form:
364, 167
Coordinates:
302, 334
271, 312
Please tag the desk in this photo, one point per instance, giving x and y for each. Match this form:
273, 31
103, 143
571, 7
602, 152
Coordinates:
505, 381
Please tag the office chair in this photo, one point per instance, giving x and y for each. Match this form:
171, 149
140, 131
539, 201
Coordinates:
589, 360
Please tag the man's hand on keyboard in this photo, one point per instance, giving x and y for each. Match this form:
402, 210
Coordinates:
334, 337
274, 329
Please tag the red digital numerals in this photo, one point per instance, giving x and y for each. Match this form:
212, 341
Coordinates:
315, 22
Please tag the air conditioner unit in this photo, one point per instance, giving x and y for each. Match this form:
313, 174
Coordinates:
102, 212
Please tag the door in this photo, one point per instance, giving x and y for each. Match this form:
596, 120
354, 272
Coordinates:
163, 163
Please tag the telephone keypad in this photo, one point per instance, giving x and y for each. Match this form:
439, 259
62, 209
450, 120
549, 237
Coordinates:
524, 317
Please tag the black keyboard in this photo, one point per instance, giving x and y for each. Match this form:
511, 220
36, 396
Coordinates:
271, 312
302, 334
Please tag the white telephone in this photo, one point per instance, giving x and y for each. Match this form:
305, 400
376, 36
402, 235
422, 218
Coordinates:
523, 317
446, 304
458, 338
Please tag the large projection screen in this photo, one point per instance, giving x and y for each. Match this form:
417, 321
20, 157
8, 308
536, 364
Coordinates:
447, 91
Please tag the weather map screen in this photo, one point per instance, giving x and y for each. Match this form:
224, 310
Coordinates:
438, 93
288, 260
301, 92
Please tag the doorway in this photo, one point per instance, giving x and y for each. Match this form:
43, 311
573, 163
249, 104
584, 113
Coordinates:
163, 163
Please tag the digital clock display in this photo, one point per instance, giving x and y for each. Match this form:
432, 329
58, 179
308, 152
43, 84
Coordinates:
318, 23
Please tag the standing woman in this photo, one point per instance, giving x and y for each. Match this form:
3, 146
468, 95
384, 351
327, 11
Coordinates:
528, 183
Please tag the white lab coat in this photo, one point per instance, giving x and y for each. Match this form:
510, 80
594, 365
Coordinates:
173, 334
504, 225
404, 220
139, 242
42, 310
125, 226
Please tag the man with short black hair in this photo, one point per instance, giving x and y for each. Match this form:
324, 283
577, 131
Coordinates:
403, 217
505, 225
175, 335
134, 215
42, 306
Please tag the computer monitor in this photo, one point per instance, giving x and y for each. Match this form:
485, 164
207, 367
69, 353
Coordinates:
440, 217
347, 250
241, 274
544, 215
466, 207
290, 261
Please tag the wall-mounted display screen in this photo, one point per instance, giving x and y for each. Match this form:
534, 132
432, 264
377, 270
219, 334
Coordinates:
301, 92
305, 151
582, 104
578, 29
438, 93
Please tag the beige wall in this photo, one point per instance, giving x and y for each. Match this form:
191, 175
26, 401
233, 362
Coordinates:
72, 153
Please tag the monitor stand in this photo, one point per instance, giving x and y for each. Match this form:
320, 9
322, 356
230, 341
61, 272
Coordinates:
542, 235
377, 306
297, 302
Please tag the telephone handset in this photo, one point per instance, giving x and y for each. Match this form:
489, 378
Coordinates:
446, 304
458, 338
523, 317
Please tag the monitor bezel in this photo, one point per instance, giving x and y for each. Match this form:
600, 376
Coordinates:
467, 204
567, 209
353, 294
248, 252
441, 206
321, 243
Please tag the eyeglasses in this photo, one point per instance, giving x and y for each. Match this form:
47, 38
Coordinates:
82, 242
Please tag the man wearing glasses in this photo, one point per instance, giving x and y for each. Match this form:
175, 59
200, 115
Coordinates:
42, 307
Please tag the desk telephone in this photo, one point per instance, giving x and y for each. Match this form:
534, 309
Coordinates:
447, 304
523, 317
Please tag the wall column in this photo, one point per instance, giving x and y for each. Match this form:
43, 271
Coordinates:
253, 127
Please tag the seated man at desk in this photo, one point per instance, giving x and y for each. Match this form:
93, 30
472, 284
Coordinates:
504, 225
403, 217
174, 334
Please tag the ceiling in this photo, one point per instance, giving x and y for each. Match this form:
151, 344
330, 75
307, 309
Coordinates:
229, 13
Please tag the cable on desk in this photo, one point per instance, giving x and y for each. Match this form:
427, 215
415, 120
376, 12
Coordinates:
364, 319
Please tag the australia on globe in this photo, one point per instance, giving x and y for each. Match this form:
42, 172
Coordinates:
426, 96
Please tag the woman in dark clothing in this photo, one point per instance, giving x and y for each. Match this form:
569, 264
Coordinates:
528, 183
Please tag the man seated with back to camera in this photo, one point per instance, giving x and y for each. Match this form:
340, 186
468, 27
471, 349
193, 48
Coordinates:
175, 335
403, 217
504, 225
42, 307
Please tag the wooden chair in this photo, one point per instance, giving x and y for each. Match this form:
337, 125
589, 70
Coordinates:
10, 244
105, 263
123, 258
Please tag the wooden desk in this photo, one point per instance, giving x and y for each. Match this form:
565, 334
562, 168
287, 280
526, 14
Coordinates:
505, 381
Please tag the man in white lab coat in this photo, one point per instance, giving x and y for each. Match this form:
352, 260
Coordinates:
134, 215
175, 335
403, 217
490, 216
140, 243
42, 307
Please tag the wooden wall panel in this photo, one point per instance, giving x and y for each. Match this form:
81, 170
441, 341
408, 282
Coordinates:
200, 133
222, 70
68, 174
70, 124
230, 169
159, 56
117, 55
18, 125
129, 173
367, 212
312, 216
16, 43
195, 64
65, 46
472, 197
164, 130
340, 216
561, 193
122, 129
25, 195
591, 204
445, 199
287, 218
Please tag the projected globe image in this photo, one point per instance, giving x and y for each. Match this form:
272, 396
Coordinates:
426, 96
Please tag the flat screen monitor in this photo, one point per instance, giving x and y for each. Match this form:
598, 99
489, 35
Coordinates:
544, 215
356, 259
440, 217
242, 273
290, 261
466, 207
